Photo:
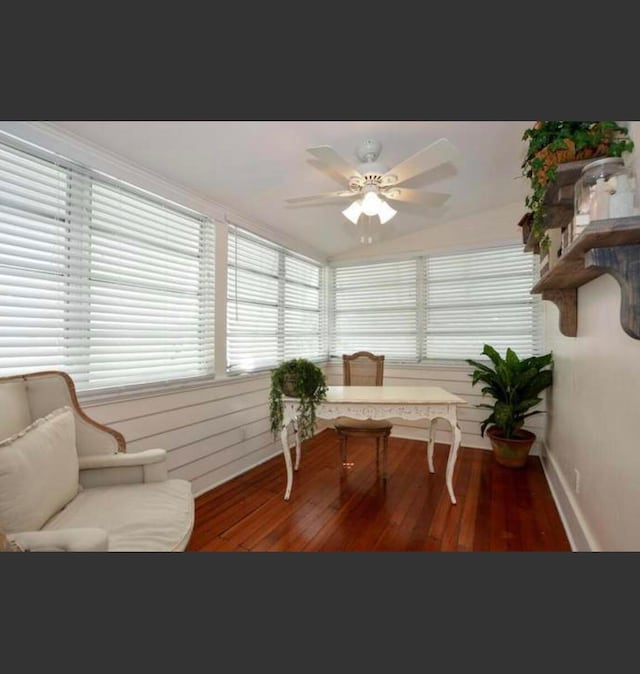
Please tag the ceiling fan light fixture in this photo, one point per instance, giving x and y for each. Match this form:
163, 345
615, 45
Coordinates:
385, 212
371, 203
371, 183
353, 212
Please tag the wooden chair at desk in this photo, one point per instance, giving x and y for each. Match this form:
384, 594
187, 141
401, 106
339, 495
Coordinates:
363, 369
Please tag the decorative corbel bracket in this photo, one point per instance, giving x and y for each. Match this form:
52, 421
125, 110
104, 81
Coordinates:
567, 302
623, 263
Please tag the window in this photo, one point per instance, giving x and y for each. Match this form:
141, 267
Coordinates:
437, 307
106, 282
375, 308
274, 304
116, 287
477, 298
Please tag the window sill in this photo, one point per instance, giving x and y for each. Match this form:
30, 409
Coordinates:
425, 364
137, 391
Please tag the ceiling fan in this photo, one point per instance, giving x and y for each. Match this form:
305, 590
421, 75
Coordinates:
371, 183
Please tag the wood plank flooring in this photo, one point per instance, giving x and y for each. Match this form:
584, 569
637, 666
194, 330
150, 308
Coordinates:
352, 509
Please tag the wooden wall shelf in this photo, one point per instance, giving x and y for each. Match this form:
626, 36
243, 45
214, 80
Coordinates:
558, 199
605, 246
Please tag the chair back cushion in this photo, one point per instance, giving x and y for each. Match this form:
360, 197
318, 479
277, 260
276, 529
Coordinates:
15, 414
362, 369
38, 472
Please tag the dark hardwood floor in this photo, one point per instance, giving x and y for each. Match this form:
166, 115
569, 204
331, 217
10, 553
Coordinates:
352, 509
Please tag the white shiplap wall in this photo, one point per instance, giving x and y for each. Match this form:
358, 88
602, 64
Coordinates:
216, 431
454, 378
211, 432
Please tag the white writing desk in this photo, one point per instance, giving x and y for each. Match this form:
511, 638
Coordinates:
381, 402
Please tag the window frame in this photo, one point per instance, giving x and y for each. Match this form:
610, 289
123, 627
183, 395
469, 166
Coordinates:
223, 229
283, 253
422, 310
80, 180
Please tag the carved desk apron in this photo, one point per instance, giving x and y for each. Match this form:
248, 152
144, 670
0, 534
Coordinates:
381, 402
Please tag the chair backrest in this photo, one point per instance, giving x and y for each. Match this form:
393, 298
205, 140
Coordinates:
362, 369
25, 398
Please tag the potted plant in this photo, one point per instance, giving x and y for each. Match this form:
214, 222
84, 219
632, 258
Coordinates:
297, 378
515, 385
553, 143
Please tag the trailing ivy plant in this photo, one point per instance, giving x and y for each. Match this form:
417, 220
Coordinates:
553, 143
545, 244
310, 387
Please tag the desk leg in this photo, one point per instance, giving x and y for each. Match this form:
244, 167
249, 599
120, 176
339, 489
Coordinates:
453, 455
430, 446
287, 459
295, 430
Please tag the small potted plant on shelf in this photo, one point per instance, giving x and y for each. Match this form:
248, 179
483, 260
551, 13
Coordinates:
302, 379
515, 385
554, 143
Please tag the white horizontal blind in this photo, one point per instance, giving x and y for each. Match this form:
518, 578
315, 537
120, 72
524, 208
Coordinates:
481, 297
437, 307
274, 304
35, 242
303, 310
375, 309
252, 303
106, 282
151, 284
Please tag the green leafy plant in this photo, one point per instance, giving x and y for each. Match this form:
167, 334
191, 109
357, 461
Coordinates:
298, 378
545, 244
553, 143
514, 384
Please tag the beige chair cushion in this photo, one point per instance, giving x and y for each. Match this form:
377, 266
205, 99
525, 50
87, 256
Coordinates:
347, 423
155, 516
38, 472
14, 408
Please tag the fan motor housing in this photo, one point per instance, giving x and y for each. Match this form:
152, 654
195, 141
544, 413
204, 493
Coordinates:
369, 150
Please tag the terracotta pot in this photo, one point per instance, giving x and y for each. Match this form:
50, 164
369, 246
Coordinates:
511, 452
569, 153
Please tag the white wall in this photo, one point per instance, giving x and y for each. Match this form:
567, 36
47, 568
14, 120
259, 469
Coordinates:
594, 423
211, 432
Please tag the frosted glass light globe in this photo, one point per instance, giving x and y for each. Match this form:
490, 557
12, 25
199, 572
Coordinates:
371, 203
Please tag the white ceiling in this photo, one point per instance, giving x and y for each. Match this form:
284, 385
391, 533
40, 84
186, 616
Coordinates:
252, 167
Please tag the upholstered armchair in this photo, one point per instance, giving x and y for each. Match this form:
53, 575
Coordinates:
67, 483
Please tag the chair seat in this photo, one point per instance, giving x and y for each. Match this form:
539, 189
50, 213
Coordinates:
346, 424
148, 517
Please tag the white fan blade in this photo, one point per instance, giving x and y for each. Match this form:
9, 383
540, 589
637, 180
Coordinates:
317, 164
424, 160
433, 199
334, 161
326, 195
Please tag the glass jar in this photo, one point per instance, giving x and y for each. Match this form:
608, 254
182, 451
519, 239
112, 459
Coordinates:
606, 189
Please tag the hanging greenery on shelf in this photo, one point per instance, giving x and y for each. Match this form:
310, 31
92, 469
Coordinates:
553, 143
